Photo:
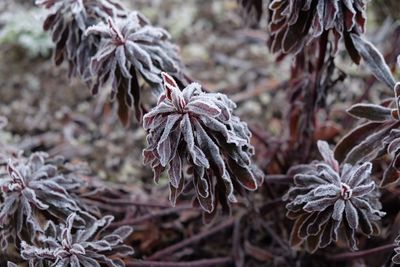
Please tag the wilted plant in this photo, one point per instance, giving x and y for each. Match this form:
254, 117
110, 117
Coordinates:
128, 46
64, 246
197, 130
328, 200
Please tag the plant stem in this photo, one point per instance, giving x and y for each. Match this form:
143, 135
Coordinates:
360, 254
130, 202
279, 179
152, 216
198, 263
169, 250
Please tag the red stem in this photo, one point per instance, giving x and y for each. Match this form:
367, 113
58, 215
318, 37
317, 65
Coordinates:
198, 263
279, 179
151, 216
171, 249
129, 202
360, 254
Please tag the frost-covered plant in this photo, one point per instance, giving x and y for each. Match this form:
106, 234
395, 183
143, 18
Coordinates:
295, 23
396, 257
104, 44
380, 134
197, 130
128, 46
30, 186
64, 246
327, 200
68, 21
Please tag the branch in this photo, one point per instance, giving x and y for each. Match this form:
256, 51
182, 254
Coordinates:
129, 202
360, 254
279, 179
198, 263
169, 250
152, 216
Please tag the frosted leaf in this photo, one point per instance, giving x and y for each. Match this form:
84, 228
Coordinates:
127, 48
294, 24
64, 246
67, 22
324, 201
198, 131
32, 185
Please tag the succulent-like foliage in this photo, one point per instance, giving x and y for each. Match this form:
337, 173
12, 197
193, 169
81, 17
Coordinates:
380, 133
127, 46
295, 23
105, 44
68, 21
30, 186
65, 246
194, 129
328, 201
375, 138
396, 257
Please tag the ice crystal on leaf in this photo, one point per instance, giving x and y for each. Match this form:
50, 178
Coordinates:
127, 46
328, 201
295, 23
29, 186
197, 130
65, 246
396, 257
68, 21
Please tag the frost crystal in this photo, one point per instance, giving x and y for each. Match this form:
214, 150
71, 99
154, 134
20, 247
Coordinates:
127, 46
197, 130
65, 246
326, 201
